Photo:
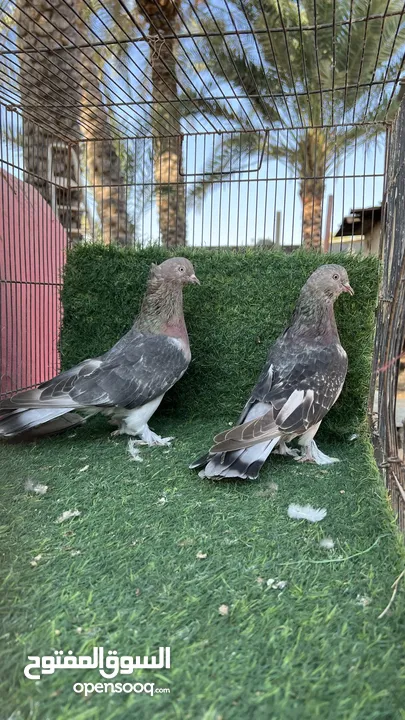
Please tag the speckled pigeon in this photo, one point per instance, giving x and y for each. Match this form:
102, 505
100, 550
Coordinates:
301, 380
128, 382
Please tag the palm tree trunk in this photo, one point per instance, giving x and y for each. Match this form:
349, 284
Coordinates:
60, 79
167, 146
48, 80
312, 193
312, 163
104, 165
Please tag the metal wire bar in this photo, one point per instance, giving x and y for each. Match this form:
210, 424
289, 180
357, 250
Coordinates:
381, 124
377, 57
186, 54
271, 95
229, 33
400, 69
80, 63
230, 54
390, 331
145, 37
40, 106
238, 172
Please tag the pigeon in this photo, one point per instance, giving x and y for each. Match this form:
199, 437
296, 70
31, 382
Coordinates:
301, 380
128, 382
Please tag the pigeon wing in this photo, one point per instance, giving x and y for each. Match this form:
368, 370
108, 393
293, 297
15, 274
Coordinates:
144, 370
54, 392
146, 367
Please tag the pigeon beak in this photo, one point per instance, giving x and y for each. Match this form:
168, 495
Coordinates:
194, 279
348, 288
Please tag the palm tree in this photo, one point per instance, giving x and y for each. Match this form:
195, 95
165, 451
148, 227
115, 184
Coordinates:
63, 77
167, 144
287, 79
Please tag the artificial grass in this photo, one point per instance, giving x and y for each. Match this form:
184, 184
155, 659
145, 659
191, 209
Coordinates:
313, 650
244, 302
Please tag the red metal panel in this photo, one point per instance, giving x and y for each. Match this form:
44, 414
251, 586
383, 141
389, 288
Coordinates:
32, 252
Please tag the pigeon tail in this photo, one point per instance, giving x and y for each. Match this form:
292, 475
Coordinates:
34, 422
245, 463
200, 461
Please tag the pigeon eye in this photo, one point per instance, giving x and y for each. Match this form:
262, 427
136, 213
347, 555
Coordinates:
181, 269
335, 277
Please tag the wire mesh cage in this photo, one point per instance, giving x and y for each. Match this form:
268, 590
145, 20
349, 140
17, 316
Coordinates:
149, 119
235, 191
390, 333
188, 122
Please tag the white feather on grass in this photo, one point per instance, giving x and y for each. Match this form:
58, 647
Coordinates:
306, 512
134, 451
32, 486
327, 543
67, 515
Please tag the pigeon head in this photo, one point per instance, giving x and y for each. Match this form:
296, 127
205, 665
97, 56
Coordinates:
175, 270
330, 280
162, 305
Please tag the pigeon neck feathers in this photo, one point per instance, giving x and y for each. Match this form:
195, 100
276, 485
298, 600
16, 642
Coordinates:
314, 317
162, 310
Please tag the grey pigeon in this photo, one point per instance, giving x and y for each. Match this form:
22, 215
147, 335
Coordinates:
128, 382
301, 380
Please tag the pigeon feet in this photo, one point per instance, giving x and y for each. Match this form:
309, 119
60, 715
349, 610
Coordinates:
282, 449
311, 453
148, 437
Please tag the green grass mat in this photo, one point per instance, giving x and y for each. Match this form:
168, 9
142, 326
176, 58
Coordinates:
125, 575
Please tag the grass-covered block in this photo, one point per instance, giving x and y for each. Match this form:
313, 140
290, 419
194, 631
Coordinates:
244, 302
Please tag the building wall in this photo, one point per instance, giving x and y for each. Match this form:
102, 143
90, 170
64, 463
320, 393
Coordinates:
369, 245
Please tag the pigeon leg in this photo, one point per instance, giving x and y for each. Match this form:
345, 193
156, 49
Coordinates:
311, 453
283, 449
